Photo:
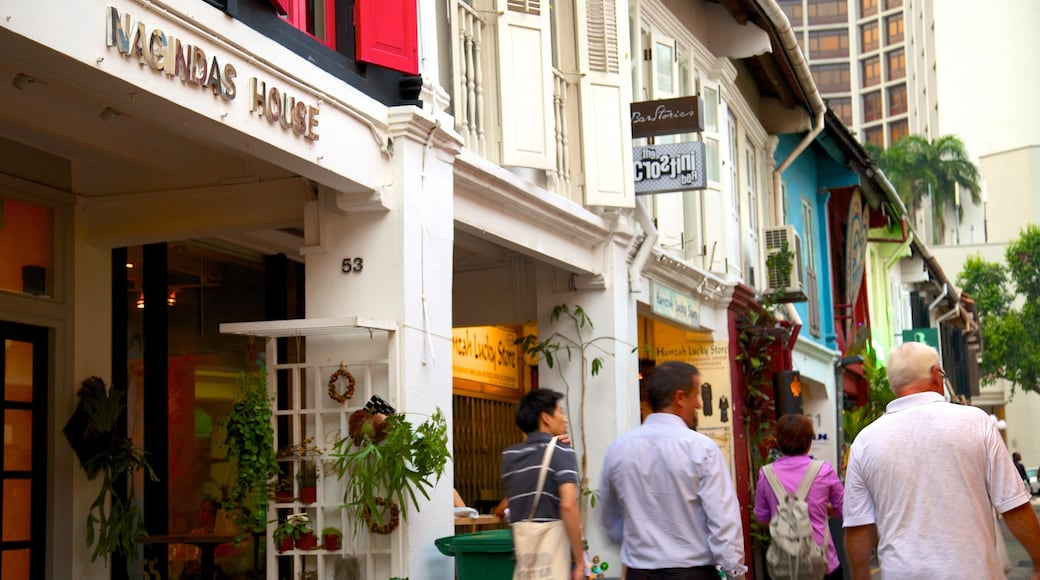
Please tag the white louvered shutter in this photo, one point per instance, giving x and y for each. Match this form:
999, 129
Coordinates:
605, 124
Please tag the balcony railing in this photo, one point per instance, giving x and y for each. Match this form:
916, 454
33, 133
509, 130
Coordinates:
475, 90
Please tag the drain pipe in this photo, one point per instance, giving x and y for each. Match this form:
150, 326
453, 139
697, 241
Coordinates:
789, 43
635, 270
942, 296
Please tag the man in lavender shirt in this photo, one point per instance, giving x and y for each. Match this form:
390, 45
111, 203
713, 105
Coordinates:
794, 435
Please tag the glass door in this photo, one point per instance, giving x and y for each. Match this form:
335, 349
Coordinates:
23, 477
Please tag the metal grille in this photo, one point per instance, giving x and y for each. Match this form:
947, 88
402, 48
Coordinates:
482, 429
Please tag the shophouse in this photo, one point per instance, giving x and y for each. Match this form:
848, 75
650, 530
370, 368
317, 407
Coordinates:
205, 184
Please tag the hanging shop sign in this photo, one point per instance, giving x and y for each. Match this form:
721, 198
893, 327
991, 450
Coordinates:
929, 336
667, 117
166, 54
669, 167
486, 354
675, 305
855, 247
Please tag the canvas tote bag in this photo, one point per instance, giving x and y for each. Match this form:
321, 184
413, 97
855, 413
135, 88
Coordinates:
542, 548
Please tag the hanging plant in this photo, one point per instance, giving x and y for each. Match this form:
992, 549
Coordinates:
387, 463
114, 521
250, 446
590, 351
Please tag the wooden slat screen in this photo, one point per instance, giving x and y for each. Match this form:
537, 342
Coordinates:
482, 429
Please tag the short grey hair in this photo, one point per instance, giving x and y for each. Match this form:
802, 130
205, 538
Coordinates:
909, 363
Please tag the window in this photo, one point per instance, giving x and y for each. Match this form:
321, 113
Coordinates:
843, 108
872, 107
809, 260
875, 136
315, 17
751, 166
829, 44
713, 171
828, 11
897, 130
890, 4
867, 8
897, 100
894, 29
871, 68
868, 37
896, 64
664, 68
832, 78
793, 10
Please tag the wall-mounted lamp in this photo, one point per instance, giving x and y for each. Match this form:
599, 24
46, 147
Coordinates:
22, 80
850, 360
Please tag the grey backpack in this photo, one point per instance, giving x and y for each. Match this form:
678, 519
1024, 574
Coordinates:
793, 554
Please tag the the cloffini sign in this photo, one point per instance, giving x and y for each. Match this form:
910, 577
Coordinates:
170, 56
667, 117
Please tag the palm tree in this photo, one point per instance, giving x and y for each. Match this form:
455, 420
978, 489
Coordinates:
920, 168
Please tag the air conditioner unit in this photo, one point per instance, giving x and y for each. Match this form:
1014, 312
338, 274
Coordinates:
785, 286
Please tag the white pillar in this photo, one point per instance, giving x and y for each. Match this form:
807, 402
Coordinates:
405, 258
612, 397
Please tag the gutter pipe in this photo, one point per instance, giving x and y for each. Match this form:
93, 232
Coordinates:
789, 43
635, 269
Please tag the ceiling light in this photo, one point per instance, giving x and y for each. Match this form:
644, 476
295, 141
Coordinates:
22, 80
108, 113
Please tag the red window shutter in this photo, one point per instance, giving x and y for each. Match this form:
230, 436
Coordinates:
388, 34
282, 6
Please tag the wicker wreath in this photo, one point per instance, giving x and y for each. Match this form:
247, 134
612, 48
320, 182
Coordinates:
334, 393
390, 525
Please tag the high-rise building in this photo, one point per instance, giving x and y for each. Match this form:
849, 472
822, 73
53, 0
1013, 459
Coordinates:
873, 61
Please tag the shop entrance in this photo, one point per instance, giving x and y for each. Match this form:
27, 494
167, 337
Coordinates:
23, 478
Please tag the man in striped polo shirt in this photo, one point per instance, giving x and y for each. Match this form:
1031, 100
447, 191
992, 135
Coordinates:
538, 414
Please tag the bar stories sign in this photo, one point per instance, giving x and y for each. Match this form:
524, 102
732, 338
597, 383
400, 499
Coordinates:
171, 56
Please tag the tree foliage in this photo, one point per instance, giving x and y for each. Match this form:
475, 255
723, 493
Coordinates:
1009, 333
919, 168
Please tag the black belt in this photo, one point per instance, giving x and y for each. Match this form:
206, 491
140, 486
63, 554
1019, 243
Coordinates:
692, 573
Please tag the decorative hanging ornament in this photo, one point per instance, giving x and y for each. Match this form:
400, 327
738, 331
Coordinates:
390, 524
334, 393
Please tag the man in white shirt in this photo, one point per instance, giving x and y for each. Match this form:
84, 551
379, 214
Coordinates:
923, 481
667, 497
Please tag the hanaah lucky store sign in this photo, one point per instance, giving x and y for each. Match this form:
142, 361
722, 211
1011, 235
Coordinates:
176, 59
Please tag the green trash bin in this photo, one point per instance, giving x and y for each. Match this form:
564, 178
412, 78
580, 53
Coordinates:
480, 555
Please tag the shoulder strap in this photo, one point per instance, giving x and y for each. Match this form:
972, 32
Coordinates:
541, 475
808, 479
778, 489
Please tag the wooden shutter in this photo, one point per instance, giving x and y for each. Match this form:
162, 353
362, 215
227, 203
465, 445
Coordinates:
605, 126
525, 74
387, 34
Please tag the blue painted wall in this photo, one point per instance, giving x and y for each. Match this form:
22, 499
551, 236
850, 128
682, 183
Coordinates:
807, 181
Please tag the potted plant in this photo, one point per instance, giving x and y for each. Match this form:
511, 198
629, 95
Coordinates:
308, 479
283, 539
387, 463
303, 531
331, 538
114, 520
250, 447
283, 489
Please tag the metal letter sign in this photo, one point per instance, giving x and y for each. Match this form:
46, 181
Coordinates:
669, 167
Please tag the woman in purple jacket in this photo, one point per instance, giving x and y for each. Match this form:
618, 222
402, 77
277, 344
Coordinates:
794, 435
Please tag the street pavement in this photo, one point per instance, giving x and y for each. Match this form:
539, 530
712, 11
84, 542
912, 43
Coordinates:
1022, 566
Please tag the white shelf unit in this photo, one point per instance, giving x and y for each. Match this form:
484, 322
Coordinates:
367, 349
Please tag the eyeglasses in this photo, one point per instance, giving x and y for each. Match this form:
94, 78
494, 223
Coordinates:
947, 387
